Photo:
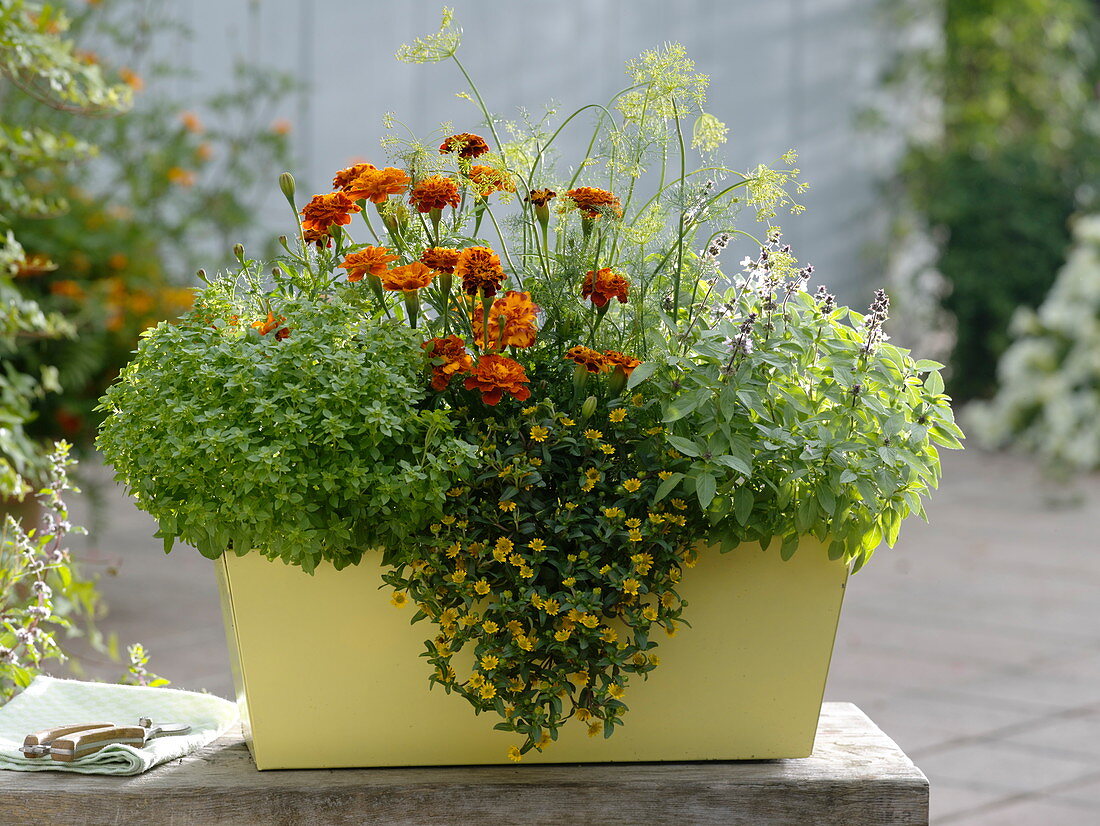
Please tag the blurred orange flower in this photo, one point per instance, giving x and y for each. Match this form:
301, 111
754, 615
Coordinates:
271, 323
181, 176
479, 268
604, 284
281, 127
589, 200
465, 144
496, 375
369, 260
591, 360
453, 358
376, 185
131, 79
408, 278
191, 122
323, 211
519, 313
434, 192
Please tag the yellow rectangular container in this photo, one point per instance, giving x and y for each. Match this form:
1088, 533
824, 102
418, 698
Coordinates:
328, 674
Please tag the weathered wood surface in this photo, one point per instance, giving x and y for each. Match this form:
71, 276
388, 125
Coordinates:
857, 775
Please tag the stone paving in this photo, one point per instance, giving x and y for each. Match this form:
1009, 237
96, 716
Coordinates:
975, 643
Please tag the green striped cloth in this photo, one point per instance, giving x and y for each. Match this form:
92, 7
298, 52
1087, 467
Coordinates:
48, 702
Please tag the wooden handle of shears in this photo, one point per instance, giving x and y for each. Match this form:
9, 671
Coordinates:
67, 749
47, 736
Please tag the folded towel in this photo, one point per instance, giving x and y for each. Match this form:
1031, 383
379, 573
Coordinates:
48, 702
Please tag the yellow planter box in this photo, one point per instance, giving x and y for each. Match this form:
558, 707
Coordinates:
328, 674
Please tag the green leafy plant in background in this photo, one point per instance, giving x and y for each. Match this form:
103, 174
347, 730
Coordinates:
1014, 148
1048, 403
171, 182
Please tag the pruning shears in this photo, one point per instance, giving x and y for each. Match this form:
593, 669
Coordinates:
66, 743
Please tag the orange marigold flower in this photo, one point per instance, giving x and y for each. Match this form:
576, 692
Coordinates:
191, 122
465, 144
604, 284
479, 267
369, 260
617, 361
131, 79
376, 185
271, 323
540, 197
496, 375
407, 278
440, 259
281, 126
434, 192
519, 314
181, 176
589, 200
346, 176
487, 180
323, 211
318, 239
592, 360
449, 357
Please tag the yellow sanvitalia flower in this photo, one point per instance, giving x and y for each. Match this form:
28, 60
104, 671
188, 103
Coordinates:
551, 606
400, 599
608, 634
633, 523
569, 581
607, 449
632, 485
590, 620
617, 415
488, 691
481, 587
507, 506
514, 754
650, 613
454, 550
536, 545
539, 433
504, 544
593, 434
631, 585
567, 422
526, 572
489, 627
612, 513
616, 691
664, 474
594, 728
489, 662
525, 642
563, 635
635, 535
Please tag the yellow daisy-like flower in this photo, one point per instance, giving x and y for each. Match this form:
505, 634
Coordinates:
476, 680
679, 504
488, 691
593, 434
489, 662
608, 634
616, 691
650, 613
514, 754
588, 485
539, 433
633, 523
517, 560
505, 544
456, 491
448, 617
536, 545
654, 659
459, 576
454, 550
631, 585
551, 606
448, 520
670, 630
567, 422
664, 474
639, 659
590, 620
637, 400
481, 587
526, 643
642, 562
632, 485
527, 411
489, 627
668, 599
653, 431
500, 554
612, 513
400, 599
605, 569
569, 581
617, 415
635, 535
515, 628
543, 741
607, 449
507, 506
536, 462
594, 728
468, 620
526, 572
570, 506
563, 635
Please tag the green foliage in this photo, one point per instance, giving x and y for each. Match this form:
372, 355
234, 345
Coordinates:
551, 568
307, 448
1018, 142
1048, 403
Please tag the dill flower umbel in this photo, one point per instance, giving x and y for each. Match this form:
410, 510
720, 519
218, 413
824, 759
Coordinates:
324, 211
479, 268
487, 180
604, 284
590, 201
518, 312
376, 185
368, 261
496, 375
592, 360
434, 192
465, 144
409, 277
449, 358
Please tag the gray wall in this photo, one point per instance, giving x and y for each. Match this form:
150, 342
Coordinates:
785, 73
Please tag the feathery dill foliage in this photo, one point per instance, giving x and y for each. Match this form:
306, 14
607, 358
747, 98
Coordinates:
577, 390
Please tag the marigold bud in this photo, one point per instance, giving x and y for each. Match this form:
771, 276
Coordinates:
286, 184
588, 408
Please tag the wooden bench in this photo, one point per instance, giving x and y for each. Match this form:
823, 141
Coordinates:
857, 775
